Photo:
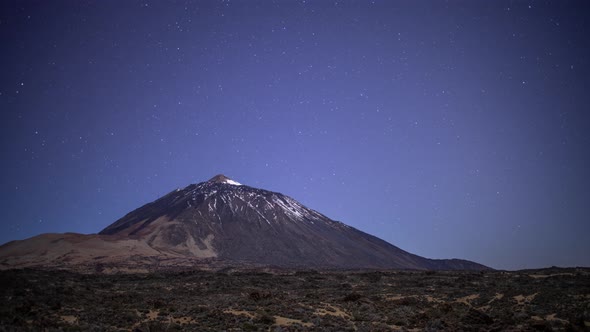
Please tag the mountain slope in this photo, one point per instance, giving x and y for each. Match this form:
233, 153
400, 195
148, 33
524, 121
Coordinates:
248, 224
224, 221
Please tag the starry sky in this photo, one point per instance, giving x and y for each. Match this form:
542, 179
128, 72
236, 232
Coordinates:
450, 129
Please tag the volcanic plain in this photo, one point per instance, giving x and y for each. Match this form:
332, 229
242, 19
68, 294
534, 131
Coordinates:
304, 300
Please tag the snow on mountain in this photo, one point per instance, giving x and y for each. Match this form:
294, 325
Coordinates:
221, 221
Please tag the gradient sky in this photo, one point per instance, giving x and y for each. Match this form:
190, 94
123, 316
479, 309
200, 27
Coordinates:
450, 129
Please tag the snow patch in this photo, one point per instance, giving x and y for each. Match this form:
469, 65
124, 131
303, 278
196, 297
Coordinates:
290, 207
232, 182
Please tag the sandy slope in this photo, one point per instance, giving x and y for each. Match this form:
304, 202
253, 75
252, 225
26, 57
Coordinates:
71, 249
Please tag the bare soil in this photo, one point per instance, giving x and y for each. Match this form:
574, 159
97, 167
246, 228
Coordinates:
230, 300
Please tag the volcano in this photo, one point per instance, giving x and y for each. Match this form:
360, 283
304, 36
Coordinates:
221, 222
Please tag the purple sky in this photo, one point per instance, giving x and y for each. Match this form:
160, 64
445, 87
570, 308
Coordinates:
454, 129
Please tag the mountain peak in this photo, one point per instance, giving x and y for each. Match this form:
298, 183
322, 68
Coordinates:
221, 223
220, 178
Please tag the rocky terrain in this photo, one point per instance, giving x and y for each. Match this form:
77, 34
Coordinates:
303, 300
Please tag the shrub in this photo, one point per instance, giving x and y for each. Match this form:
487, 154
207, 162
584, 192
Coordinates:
265, 318
352, 297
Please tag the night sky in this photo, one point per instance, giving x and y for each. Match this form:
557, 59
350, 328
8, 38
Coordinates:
449, 129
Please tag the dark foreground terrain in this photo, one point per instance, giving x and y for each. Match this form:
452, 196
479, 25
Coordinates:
552, 299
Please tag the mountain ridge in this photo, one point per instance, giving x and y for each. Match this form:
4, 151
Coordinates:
229, 223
